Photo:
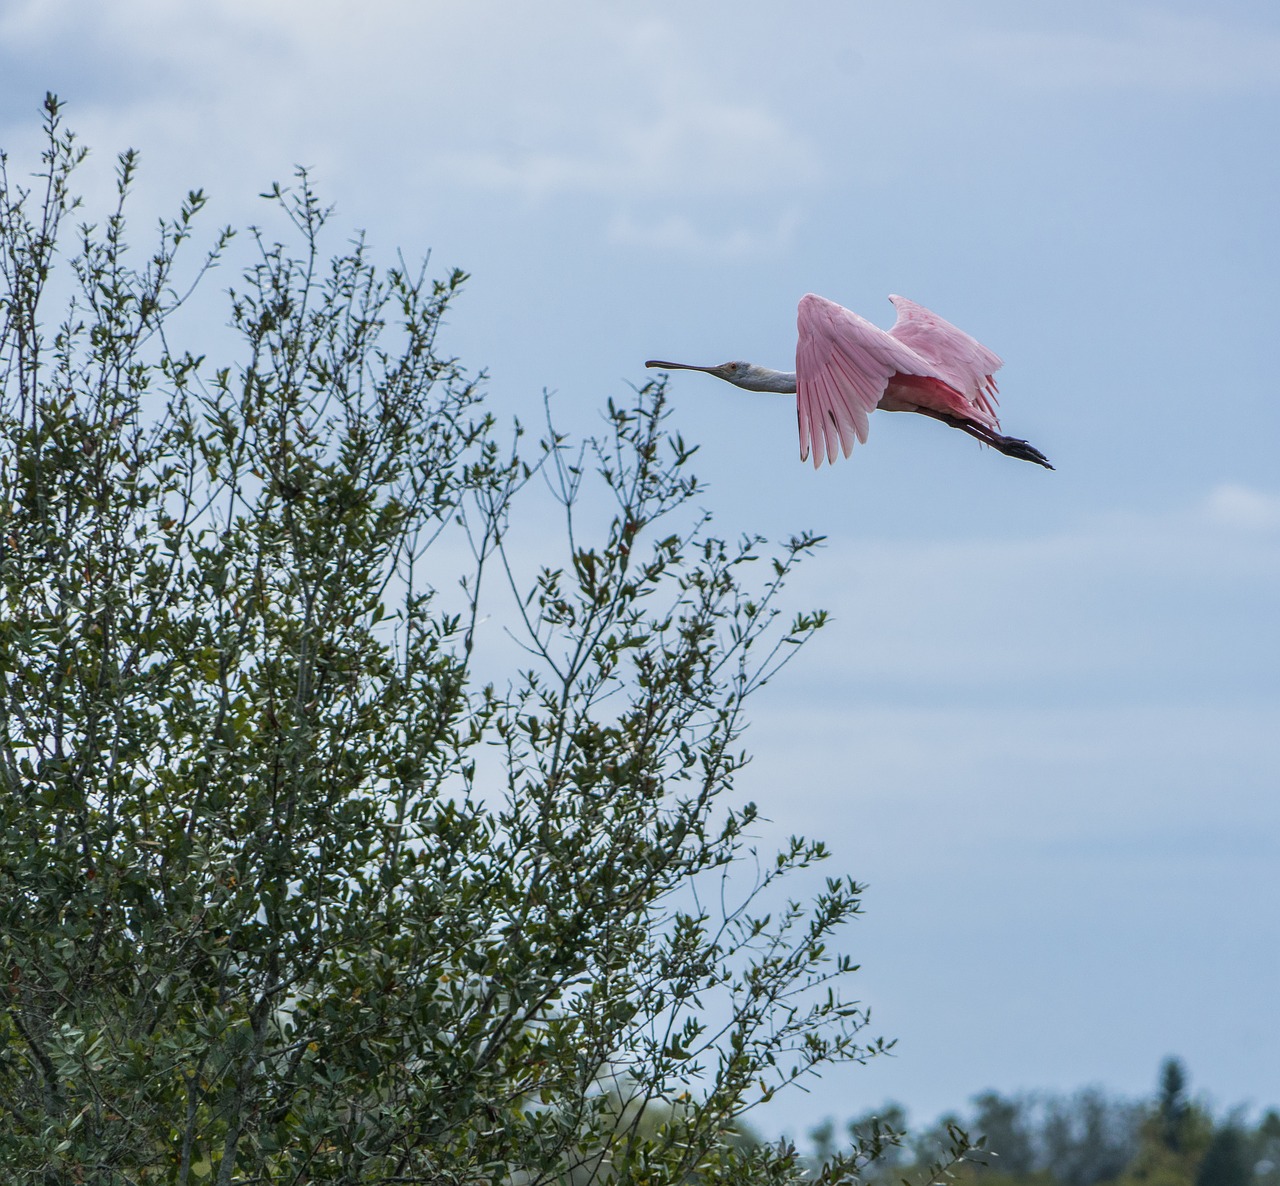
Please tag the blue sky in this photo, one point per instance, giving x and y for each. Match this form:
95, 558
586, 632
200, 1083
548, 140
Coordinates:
1045, 723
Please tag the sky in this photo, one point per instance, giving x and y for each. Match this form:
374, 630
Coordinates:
1044, 724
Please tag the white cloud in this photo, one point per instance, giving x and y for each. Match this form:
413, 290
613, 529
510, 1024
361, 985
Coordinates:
561, 102
1154, 50
673, 134
1239, 507
680, 234
687, 145
1036, 751
1129, 606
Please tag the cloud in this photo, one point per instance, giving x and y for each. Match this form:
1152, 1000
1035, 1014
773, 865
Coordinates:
681, 234
1129, 607
1155, 51
688, 145
1035, 750
674, 134
1238, 507
674, 149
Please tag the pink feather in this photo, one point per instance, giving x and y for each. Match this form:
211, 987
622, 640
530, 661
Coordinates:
846, 368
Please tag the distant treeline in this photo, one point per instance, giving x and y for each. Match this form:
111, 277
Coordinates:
1042, 1139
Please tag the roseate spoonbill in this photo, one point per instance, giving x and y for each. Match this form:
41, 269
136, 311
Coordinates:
846, 368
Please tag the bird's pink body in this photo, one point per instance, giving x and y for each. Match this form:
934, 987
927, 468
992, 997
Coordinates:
846, 368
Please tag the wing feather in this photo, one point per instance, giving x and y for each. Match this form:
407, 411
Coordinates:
802, 419
843, 367
829, 410
961, 361
839, 414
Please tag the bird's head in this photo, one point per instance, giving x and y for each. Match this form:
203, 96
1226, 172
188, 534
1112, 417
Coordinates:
740, 374
731, 372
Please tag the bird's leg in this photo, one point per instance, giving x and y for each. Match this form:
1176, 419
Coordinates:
1009, 446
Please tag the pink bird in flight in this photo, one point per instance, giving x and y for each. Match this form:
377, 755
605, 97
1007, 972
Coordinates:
846, 368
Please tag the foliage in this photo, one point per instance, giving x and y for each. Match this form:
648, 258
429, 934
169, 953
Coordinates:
1225, 1161
1173, 1111
880, 1149
1041, 1139
289, 891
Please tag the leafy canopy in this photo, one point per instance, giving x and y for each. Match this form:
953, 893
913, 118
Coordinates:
290, 889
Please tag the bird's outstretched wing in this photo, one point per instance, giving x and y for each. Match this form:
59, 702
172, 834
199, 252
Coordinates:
961, 361
843, 366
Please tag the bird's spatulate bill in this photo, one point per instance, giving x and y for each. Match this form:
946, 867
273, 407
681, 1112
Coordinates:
676, 366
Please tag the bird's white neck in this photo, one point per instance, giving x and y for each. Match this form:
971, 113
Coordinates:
758, 378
